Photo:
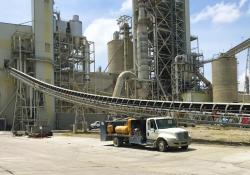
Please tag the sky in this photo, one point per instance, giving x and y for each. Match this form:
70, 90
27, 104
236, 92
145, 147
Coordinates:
220, 24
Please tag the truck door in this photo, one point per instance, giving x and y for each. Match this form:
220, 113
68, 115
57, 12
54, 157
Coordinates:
152, 132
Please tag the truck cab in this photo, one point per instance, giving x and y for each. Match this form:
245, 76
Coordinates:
161, 133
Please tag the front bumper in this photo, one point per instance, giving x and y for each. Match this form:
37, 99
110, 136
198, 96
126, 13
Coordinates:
178, 143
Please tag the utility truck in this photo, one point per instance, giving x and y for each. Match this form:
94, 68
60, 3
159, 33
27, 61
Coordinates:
161, 133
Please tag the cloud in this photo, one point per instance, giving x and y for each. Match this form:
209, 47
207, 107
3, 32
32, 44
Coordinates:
126, 6
220, 13
100, 31
242, 3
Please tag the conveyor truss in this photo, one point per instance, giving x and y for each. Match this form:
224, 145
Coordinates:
188, 111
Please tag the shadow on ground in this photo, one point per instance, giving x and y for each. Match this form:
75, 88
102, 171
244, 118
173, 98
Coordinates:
138, 147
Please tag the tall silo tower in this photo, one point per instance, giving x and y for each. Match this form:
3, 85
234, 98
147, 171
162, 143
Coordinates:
42, 24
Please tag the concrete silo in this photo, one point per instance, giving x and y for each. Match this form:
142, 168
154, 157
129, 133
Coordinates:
225, 86
76, 26
116, 56
42, 19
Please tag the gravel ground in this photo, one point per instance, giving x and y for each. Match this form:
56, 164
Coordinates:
200, 134
64, 155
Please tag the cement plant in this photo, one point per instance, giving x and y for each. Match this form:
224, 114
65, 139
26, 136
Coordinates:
152, 95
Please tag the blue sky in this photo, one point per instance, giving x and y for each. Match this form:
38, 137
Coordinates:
220, 24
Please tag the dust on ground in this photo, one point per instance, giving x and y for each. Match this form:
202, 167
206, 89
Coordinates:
199, 133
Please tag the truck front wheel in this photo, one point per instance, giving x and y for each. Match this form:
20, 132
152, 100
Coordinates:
162, 145
184, 147
117, 142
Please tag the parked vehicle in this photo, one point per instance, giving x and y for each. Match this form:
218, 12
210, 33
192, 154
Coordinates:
161, 133
245, 122
95, 125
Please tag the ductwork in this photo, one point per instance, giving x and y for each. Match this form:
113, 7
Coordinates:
127, 75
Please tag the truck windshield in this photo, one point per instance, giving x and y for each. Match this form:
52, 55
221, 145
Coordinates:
166, 123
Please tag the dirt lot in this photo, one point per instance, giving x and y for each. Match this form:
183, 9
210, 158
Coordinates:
64, 155
201, 134
217, 134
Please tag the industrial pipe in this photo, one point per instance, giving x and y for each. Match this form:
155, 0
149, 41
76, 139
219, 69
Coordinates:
142, 43
179, 59
126, 75
134, 27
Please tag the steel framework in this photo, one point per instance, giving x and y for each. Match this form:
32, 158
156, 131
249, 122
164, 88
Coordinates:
71, 62
167, 38
25, 105
73, 57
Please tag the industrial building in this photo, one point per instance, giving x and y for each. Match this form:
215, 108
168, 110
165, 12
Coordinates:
151, 57
51, 50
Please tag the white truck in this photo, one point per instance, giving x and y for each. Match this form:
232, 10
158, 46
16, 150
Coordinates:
161, 133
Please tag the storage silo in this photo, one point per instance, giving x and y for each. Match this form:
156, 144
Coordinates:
224, 77
116, 56
76, 26
42, 24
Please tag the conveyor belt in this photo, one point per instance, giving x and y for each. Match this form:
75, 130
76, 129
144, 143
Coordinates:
232, 52
132, 106
239, 48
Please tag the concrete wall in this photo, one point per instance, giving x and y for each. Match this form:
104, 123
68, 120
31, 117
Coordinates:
244, 98
7, 83
103, 82
2, 124
65, 121
197, 97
